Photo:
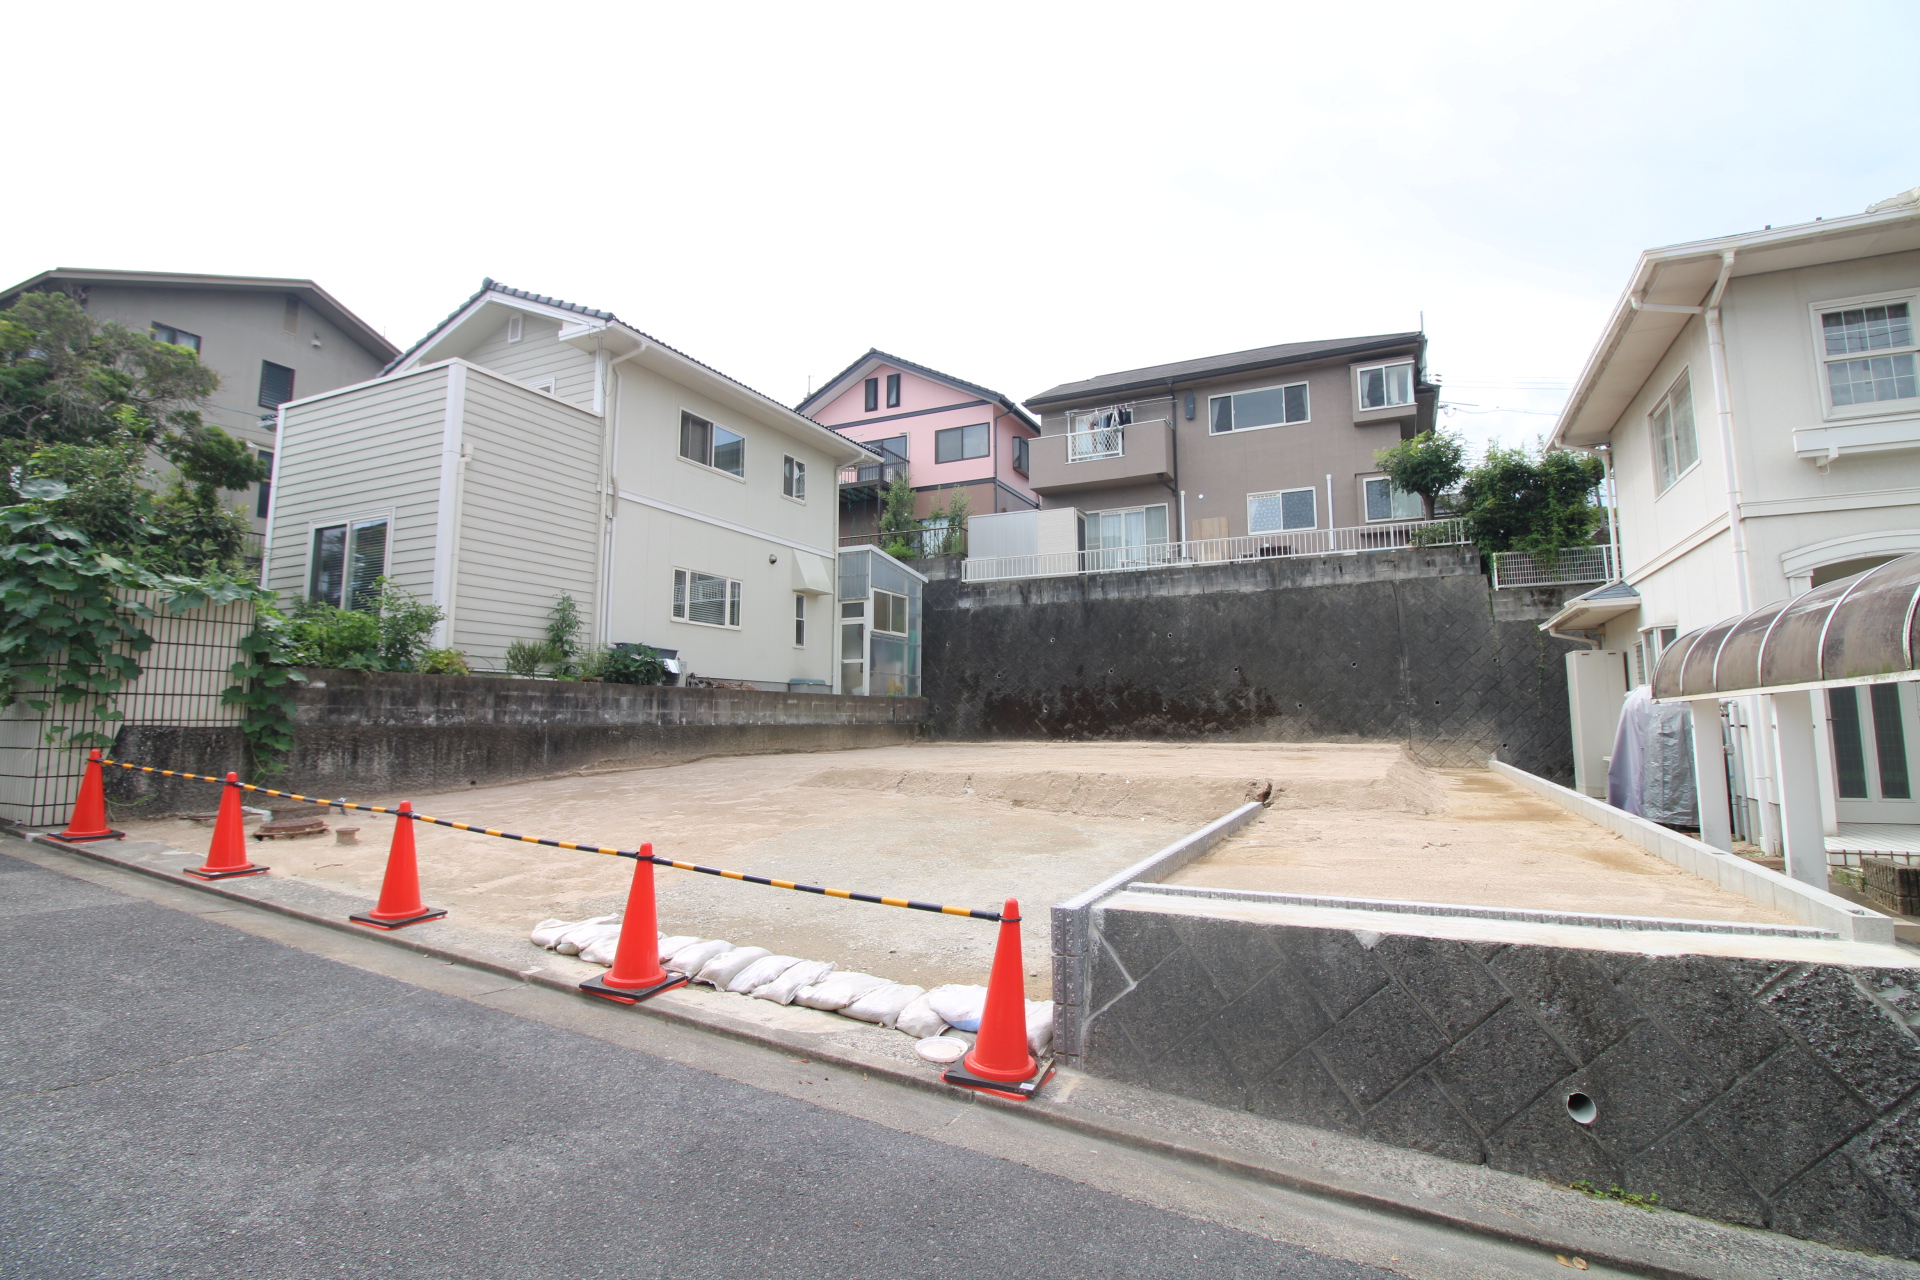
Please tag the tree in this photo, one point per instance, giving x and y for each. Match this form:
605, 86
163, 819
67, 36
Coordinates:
69, 380
1430, 465
1531, 500
897, 517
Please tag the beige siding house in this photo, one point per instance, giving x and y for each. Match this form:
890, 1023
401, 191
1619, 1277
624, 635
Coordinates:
529, 447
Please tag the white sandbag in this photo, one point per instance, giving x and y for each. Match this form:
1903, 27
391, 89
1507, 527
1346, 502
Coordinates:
761, 972
1040, 1027
726, 966
670, 945
883, 1004
574, 941
547, 931
689, 960
784, 988
602, 951
942, 1049
961, 1006
919, 1020
838, 990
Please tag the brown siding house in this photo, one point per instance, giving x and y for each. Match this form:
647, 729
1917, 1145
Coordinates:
1251, 442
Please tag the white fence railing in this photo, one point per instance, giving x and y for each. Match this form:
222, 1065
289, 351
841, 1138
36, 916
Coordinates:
1101, 442
1387, 536
1572, 565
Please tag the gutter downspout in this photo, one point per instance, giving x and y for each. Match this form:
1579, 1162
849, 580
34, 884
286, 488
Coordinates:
608, 394
1723, 407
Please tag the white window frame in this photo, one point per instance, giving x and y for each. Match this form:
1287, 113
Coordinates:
1265, 426
1661, 485
1378, 478
1310, 490
1824, 389
708, 466
1360, 372
516, 327
327, 522
799, 619
683, 591
793, 475
874, 622
546, 386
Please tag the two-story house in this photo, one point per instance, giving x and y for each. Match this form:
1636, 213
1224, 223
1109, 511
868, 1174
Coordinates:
528, 447
949, 437
1758, 400
268, 339
1279, 440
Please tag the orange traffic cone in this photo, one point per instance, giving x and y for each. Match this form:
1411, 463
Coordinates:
90, 808
399, 904
999, 1061
636, 974
227, 857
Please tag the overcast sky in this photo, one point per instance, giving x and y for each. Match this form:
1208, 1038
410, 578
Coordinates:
1019, 195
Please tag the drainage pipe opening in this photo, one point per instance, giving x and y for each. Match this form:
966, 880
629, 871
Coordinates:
1580, 1108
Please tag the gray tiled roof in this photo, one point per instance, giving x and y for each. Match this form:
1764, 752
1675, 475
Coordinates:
1217, 366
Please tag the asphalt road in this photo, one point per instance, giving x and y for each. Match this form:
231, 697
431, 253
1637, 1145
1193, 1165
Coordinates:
183, 1098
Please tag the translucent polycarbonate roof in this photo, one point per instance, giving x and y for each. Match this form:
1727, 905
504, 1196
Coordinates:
1853, 629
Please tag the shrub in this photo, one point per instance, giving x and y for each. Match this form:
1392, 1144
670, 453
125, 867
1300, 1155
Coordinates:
319, 635
406, 625
526, 657
633, 664
444, 662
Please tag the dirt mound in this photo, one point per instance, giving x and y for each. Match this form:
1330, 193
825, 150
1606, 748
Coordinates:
1376, 780
1401, 787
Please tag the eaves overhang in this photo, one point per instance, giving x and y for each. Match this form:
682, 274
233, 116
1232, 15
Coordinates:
1588, 611
1636, 338
307, 291
1108, 387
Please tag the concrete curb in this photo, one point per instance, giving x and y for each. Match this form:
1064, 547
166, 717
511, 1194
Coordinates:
1624, 1254
1763, 885
1070, 959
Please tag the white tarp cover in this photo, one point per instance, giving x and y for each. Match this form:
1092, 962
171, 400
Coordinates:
1651, 773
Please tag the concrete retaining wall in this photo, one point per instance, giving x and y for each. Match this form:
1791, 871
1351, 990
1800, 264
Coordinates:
361, 734
1754, 1091
1405, 646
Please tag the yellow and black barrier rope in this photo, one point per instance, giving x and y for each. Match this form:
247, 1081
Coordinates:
909, 903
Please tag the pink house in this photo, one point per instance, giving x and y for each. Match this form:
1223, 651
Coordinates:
947, 433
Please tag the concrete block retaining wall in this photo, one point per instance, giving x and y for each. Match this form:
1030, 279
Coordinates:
1758, 1092
358, 733
1393, 646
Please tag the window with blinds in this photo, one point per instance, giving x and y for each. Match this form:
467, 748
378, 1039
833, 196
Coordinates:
348, 562
276, 384
705, 599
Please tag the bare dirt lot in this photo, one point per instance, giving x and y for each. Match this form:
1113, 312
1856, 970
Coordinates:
973, 824
1481, 840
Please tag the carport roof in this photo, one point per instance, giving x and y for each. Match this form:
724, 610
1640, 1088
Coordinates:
1859, 630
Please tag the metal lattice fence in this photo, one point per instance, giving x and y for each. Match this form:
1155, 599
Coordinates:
1572, 565
181, 679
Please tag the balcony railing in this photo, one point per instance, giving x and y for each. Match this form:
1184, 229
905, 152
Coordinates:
913, 544
881, 473
1386, 536
1101, 442
1572, 565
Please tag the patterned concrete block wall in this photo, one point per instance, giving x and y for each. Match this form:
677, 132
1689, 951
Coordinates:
1408, 646
1756, 1092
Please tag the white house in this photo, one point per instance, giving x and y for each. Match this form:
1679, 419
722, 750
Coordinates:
1756, 398
528, 447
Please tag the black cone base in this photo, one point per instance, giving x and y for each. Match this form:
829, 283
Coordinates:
104, 835
1020, 1090
426, 914
597, 986
198, 874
